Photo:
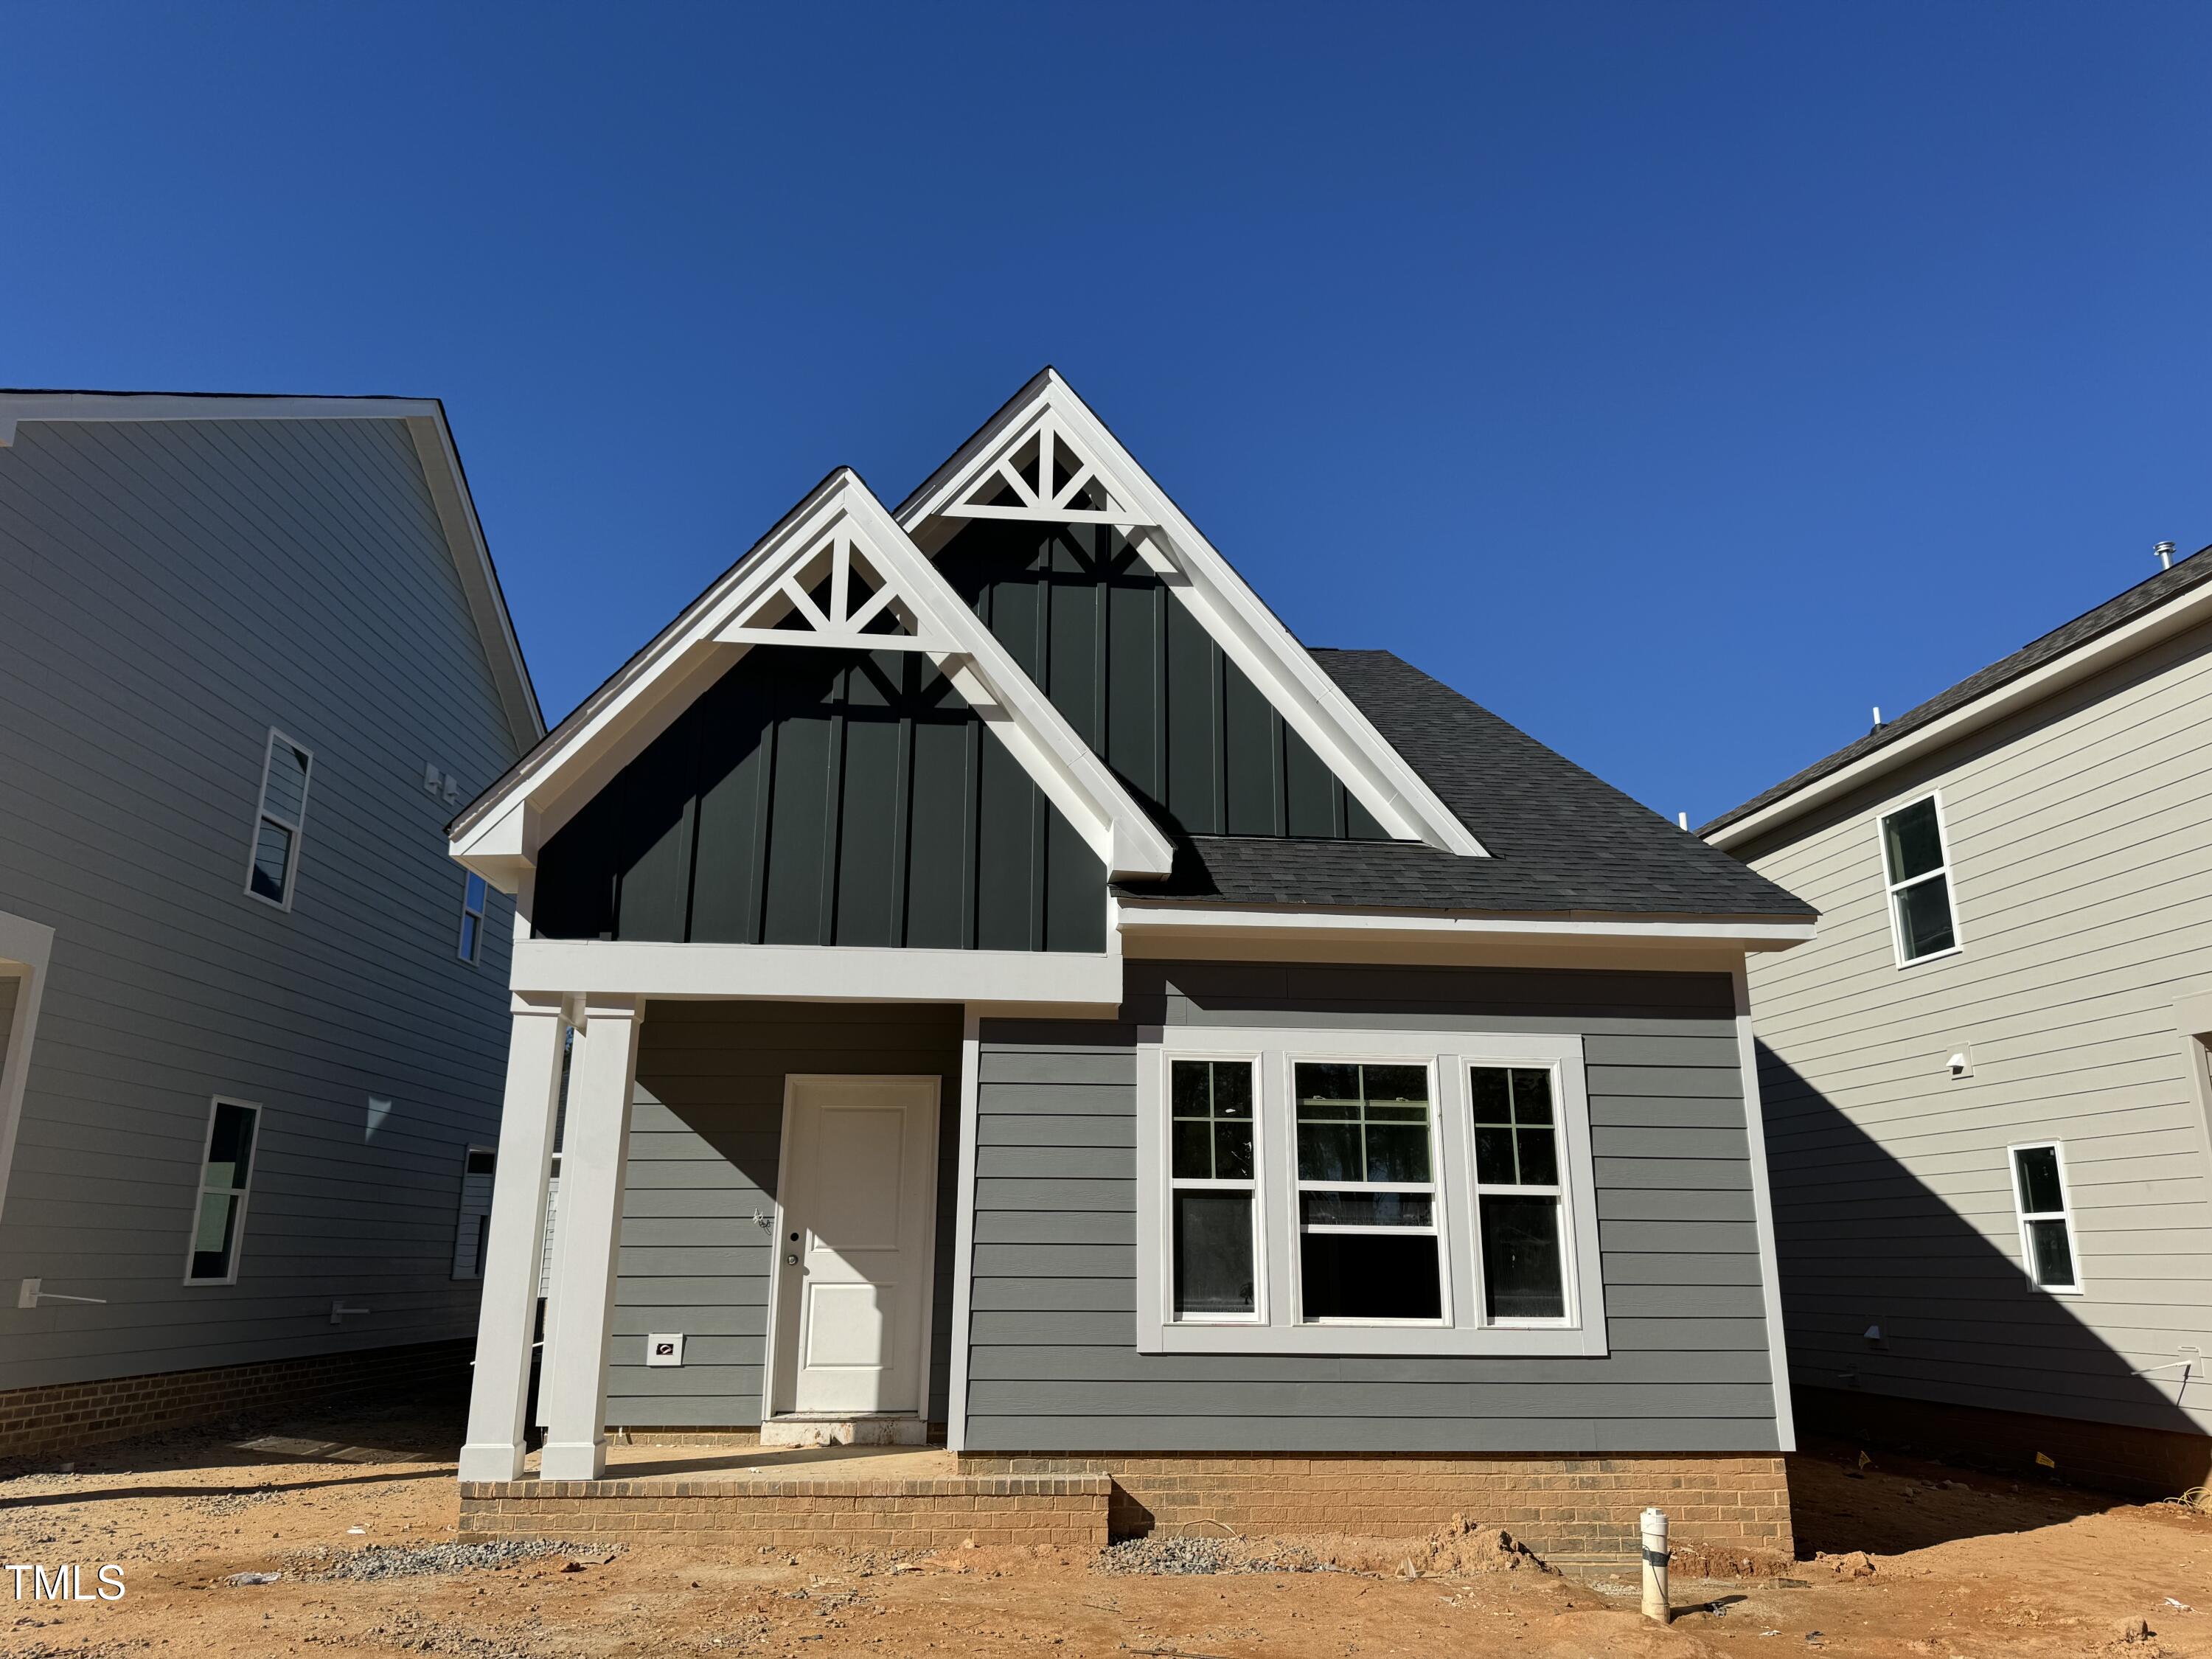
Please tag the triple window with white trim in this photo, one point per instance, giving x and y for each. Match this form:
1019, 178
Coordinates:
274, 865
2046, 1220
226, 1171
1917, 867
1363, 1191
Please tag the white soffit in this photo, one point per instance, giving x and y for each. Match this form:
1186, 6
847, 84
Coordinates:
1097, 481
882, 595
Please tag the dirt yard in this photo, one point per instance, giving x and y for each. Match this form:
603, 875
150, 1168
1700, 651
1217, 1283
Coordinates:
355, 1514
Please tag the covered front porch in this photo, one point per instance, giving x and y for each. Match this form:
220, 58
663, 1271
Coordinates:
751, 1230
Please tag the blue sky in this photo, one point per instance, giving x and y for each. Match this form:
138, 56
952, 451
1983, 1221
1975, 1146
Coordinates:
1677, 380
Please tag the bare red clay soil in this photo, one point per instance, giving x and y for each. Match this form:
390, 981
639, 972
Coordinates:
1902, 1559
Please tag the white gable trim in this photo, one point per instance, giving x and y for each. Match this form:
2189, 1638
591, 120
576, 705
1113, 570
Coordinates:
1313, 705
433, 438
839, 526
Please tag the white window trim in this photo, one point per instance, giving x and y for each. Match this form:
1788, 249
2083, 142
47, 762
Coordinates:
1890, 889
1450, 1054
200, 1189
469, 881
2064, 1213
1257, 1186
1440, 1207
26, 949
299, 830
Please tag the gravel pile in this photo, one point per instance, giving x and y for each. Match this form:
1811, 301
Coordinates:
1158, 1554
420, 1560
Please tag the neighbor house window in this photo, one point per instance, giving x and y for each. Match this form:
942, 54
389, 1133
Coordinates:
283, 814
226, 1168
472, 1231
2046, 1221
473, 894
1211, 1172
1368, 1227
1522, 1222
1919, 875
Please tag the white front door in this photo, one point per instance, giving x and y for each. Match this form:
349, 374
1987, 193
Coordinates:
855, 1202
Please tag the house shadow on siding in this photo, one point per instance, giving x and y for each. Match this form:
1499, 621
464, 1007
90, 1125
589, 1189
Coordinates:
1910, 1327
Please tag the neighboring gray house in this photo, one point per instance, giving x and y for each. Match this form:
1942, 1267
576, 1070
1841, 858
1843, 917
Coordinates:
253, 1022
1986, 1082
1021, 995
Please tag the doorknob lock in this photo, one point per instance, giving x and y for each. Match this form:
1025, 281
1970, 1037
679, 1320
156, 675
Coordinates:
791, 1262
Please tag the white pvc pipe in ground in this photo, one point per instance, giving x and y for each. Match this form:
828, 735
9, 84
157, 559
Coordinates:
1655, 1565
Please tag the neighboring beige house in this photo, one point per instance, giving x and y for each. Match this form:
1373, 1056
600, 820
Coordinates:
1985, 1080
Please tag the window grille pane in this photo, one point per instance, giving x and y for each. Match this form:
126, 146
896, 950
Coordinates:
2053, 1253
474, 899
468, 936
1924, 918
2039, 1191
1232, 1151
1912, 840
481, 1161
1232, 1088
272, 856
1363, 1123
1514, 1143
1366, 1210
230, 1147
286, 790
1193, 1150
1369, 1276
212, 1237
1524, 1273
1214, 1253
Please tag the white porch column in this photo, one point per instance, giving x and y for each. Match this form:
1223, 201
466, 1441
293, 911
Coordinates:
508, 1312
594, 1156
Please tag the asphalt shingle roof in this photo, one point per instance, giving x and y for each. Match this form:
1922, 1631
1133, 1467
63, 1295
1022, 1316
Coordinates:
2194, 571
1558, 838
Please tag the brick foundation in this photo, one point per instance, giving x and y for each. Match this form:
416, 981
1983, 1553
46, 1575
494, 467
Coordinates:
1063, 1511
2106, 1457
1581, 1510
61, 1416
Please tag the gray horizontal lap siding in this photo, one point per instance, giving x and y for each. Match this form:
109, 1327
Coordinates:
173, 590
705, 1136
1052, 1359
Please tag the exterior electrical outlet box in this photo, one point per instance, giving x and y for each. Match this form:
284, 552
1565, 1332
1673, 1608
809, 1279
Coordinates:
664, 1350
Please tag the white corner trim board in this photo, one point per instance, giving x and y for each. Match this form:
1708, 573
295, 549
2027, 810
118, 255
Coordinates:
1048, 411
26, 949
839, 530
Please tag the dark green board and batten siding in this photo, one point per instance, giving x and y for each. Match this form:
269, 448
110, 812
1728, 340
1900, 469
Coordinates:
1052, 1359
1142, 682
706, 1133
819, 797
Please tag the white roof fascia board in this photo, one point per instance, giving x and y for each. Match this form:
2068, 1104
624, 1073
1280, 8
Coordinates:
433, 438
1133, 916
827, 973
1254, 637
2184, 611
496, 839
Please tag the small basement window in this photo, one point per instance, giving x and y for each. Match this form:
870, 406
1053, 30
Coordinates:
275, 864
472, 1230
1368, 1227
474, 893
226, 1170
1918, 871
2046, 1220
1211, 1171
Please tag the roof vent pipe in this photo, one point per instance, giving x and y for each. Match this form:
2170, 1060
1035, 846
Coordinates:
1877, 717
2165, 551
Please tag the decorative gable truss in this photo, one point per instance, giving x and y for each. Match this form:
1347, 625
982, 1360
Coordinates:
1047, 458
837, 572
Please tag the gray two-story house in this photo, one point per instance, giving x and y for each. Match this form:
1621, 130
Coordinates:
1989, 1106
253, 1021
